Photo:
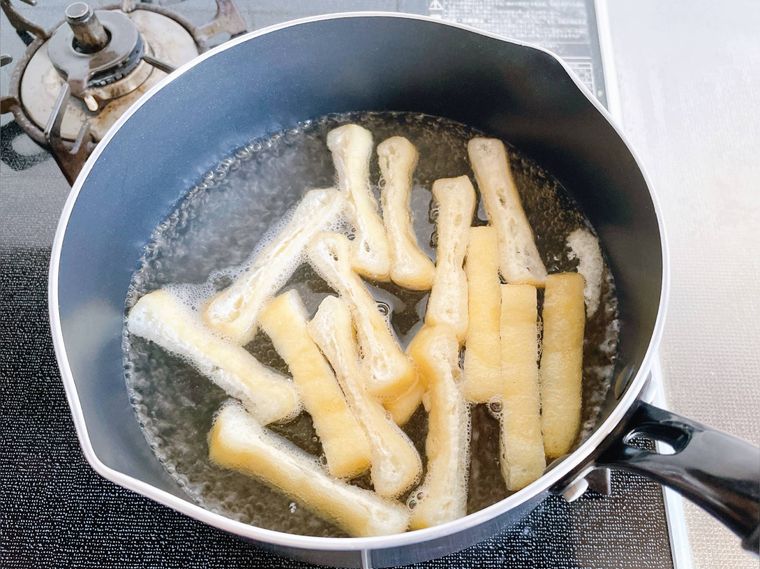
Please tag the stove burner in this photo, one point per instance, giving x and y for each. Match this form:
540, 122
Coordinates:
94, 50
74, 82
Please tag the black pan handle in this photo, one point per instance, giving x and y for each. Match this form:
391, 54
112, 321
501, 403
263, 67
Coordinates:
716, 471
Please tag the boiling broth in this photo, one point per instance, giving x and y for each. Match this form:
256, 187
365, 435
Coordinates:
205, 241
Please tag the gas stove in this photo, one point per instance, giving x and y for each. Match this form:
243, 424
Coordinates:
66, 84
75, 79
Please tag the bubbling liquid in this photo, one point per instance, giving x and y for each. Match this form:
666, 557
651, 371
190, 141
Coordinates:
207, 240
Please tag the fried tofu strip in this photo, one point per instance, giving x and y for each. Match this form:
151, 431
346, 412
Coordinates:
238, 442
388, 371
447, 304
396, 465
482, 366
233, 312
163, 319
403, 407
344, 443
584, 246
520, 260
522, 446
410, 267
443, 495
562, 362
351, 147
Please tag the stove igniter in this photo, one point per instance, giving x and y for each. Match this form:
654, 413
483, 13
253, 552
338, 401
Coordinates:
95, 50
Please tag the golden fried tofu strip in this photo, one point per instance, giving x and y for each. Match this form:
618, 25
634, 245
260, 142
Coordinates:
443, 495
402, 408
396, 465
351, 147
238, 442
410, 267
388, 371
522, 446
482, 365
163, 319
345, 445
562, 362
447, 304
233, 312
520, 259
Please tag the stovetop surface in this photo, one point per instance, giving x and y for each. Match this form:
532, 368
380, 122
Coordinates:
56, 512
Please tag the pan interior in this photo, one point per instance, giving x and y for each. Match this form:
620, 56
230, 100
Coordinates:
228, 213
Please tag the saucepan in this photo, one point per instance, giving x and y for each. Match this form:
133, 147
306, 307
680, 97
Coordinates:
269, 80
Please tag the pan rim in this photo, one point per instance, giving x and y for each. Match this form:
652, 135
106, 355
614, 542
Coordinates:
349, 544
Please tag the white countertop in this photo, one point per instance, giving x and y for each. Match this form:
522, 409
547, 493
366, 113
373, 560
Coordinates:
687, 76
